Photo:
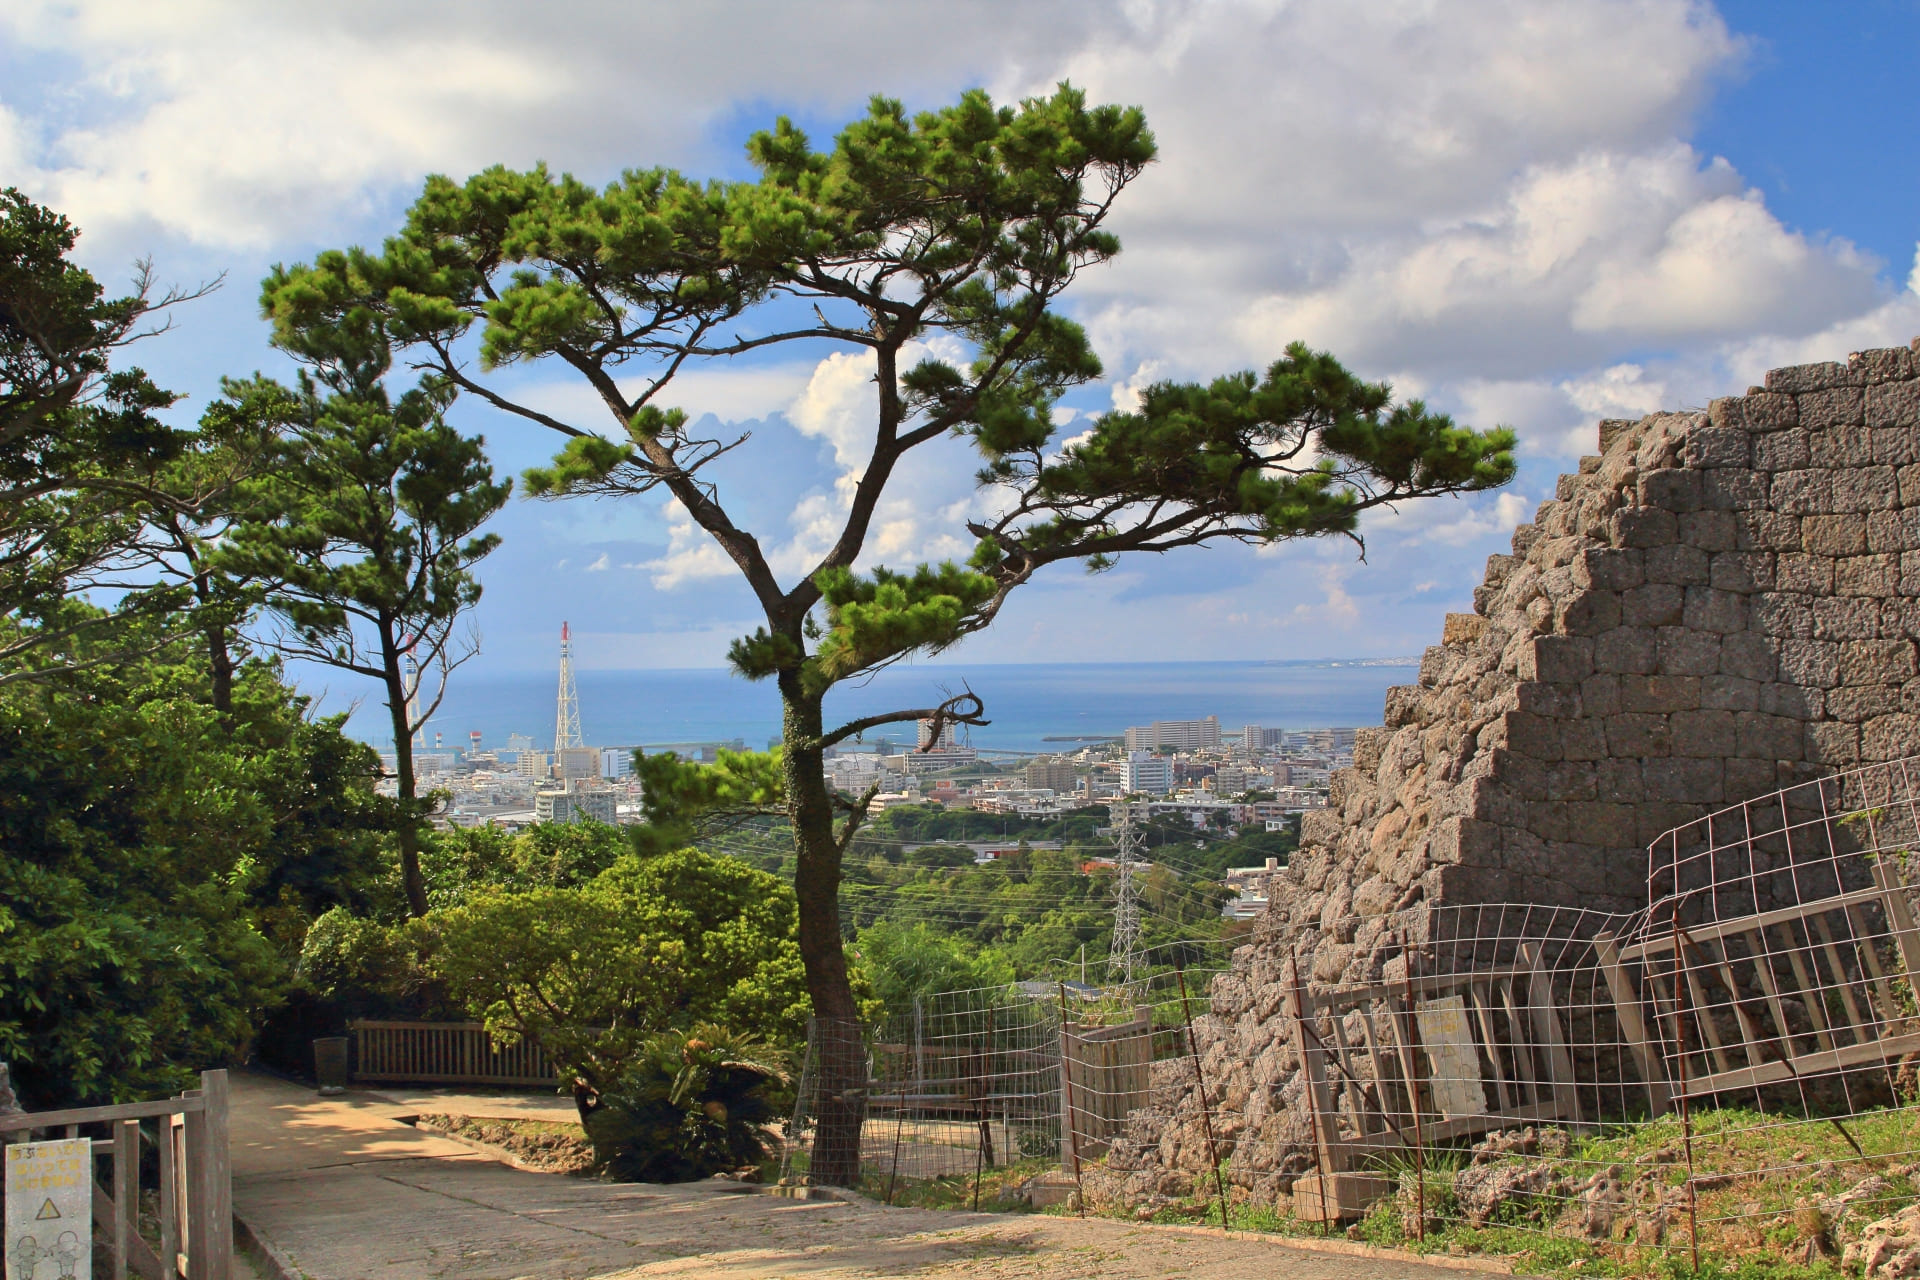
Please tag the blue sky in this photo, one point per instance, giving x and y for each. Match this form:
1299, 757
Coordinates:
1531, 213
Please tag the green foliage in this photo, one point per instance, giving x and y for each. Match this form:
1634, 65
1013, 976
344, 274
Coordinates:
651, 943
82, 450
905, 961
162, 862
689, 1104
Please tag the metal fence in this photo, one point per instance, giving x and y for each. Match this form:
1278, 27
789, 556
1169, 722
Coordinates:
1736, 1066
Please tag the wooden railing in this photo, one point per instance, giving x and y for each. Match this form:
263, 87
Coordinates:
444, 1053
196, 1188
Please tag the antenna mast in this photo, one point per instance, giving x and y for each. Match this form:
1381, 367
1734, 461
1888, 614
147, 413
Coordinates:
1124, 956
566, 727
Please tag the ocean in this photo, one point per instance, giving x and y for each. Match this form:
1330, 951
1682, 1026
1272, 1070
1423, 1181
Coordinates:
1027, 703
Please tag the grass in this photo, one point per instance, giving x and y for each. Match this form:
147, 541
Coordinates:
1755, 1176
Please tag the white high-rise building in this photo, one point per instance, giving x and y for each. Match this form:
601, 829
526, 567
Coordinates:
616, 762
1253, 738
1146, 773
1181, 735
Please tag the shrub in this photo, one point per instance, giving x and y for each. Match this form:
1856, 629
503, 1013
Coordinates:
687, 1106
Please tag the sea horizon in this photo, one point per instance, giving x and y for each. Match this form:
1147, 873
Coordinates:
1027, 703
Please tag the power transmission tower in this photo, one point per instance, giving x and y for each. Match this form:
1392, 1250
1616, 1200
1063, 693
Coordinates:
566, 728
1124, 955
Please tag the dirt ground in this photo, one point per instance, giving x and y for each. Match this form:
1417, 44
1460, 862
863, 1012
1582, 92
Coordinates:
339, 1189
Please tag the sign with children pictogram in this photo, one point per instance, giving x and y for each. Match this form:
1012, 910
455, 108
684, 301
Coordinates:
50, 1210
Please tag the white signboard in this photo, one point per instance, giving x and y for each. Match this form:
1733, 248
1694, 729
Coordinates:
50, 1210
1448, 1040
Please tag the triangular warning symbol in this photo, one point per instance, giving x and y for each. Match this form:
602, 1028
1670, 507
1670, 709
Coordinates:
46, 1211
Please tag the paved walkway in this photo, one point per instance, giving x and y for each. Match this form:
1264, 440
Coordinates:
341, 1190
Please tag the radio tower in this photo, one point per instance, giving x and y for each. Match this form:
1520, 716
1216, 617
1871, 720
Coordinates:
566, 727
1124, 955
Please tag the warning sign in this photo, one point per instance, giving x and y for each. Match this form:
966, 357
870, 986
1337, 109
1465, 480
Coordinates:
50, 1210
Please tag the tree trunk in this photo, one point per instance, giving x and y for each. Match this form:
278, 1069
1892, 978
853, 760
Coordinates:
838, 1043
407, 836
220, 667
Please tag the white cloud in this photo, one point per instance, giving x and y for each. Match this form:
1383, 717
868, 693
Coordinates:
600, 565
691, 554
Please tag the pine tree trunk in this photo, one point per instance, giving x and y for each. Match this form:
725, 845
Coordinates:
407, 836
840, 1058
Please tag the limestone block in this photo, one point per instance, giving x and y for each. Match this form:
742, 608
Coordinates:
1319, 827
1625, 649
1658, 604
1782, 451
1550, 821
1608, 569
1679, 651
1709, 530
1729, 693
1557, 700
1893, 405
1571, 780
1657, 817
1618, 781
1750, 779
1781, 613
1681, 780
1806, 574
1732, 489
1890, 737
1367, 745
1837, 447
1523, 537
1858, 703
1583, 739
1705, 734
1868, 488
1601, 823
1661, 695
1749, 656
1600, 694
1810, 662
1643, 527
1768, 531
1557, 659
1767, 411
1675, 490
1811, 377
1565, 487
1877, 577
1531, 735
1845, 618
1638, 734
1892, 531
1909, 478
1835, 535
1792, 700
1877, 662
1712, 446
1882, 364
1833, 743
1742, 571
1679, 563
1900, 617
1895, 446
1462, 629
1612, 431
1805, 492
1589, 613
1758, 736
1831, 407
1709, 610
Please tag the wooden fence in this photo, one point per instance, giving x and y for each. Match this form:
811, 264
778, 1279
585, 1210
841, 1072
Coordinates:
444, 1053
1107, 1074
196, 1188
1773, 997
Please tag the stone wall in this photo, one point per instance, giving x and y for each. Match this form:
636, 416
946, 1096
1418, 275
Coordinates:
1717, 605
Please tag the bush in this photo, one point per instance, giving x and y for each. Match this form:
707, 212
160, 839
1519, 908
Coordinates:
687, 1106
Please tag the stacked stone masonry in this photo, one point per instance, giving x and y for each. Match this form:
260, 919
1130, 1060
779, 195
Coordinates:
1717, 605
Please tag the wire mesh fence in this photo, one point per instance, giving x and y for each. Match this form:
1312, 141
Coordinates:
1734, 1067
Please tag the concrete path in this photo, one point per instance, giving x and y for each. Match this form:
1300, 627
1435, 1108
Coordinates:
340, 1190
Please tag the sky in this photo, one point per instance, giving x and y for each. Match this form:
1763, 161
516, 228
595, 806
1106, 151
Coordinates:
1529, 214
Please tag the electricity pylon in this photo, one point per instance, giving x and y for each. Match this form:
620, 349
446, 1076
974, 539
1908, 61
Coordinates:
1123, 957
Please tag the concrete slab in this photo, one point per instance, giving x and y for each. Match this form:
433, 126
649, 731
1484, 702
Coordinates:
468, 1102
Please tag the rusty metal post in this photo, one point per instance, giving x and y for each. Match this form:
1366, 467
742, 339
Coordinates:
1680, 979
1200, 1081
1413, 1098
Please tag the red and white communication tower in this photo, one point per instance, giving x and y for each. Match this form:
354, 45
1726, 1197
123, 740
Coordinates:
566, 728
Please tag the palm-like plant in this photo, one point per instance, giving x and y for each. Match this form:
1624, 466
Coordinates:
691, 1104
